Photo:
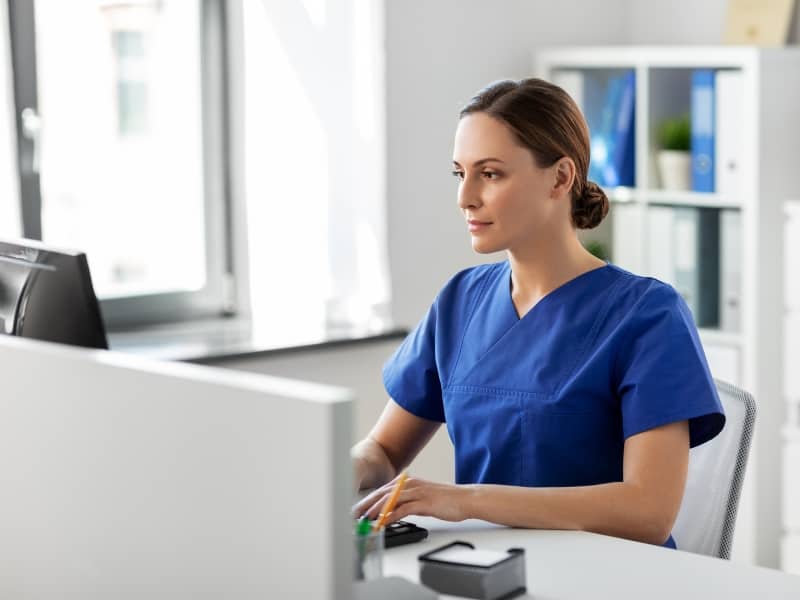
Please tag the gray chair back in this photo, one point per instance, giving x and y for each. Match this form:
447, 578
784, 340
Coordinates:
707, 515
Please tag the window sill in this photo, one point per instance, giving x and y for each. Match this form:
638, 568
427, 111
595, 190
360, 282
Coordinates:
217, 340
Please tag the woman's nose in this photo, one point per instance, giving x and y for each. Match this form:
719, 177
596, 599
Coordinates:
468, 194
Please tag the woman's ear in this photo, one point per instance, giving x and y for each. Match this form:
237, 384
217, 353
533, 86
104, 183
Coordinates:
564, 169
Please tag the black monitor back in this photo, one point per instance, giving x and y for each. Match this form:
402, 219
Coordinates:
47, 294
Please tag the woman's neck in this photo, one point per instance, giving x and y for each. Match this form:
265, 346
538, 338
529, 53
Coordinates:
535, 272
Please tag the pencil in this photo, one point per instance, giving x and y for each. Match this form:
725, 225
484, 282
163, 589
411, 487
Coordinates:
398, 487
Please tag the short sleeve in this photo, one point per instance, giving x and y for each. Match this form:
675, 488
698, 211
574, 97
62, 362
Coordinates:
411, 377
662, 370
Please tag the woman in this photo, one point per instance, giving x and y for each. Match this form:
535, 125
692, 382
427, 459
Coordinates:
572, 389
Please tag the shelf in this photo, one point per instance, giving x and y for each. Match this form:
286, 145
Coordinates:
721, 338
715, 247
652, 57
628, 195
688, 198
622, 195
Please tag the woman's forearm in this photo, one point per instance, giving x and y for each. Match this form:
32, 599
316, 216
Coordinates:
372, 467
618, 509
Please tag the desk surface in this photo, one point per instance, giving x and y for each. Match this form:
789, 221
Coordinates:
213, 341
574, 564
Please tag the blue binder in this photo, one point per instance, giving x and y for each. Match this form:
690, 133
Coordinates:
702, 124
624, 162
610, 116
602, 96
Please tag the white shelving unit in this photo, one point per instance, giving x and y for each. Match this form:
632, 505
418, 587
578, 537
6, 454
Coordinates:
749, 355
790, 548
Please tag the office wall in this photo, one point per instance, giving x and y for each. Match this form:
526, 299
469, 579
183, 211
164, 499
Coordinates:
683, 22
437, 55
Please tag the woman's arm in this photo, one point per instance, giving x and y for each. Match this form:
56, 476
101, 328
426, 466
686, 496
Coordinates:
393, 443
642, 507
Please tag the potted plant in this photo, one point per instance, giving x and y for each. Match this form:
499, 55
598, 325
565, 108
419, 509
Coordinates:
597, 249
674, 157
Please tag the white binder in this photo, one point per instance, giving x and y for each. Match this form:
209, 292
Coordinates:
730, 270
728, 125
660, 243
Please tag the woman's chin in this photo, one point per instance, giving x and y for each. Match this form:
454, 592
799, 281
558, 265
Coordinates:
484, 246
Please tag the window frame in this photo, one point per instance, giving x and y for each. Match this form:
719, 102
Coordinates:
218, 298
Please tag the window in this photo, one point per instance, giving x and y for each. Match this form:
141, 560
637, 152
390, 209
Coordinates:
132, 81
146, 127
125, 136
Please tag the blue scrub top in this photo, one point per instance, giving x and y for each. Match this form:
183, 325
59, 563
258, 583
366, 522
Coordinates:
550, 398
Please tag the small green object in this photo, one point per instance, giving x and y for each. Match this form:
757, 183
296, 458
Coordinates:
675, 133
364, 526
597, 249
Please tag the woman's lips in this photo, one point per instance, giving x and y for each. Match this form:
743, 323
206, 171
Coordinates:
476, 226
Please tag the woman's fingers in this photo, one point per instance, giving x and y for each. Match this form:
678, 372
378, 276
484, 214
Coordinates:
405, 497
380, 495
414, 507
417, 498
367, 501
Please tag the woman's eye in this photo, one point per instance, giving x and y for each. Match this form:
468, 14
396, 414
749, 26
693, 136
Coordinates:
490, 174
459, 174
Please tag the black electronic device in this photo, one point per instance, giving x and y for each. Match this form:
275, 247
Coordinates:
47, 294
402, 532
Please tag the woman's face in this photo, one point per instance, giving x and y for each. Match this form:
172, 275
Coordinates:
506, 198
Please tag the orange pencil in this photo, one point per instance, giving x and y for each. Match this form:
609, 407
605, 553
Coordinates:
398, 487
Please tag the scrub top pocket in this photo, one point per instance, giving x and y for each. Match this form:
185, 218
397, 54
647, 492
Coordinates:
485, 426
570, 448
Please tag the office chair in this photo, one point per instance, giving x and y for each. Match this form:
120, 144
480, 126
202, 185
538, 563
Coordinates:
707, 515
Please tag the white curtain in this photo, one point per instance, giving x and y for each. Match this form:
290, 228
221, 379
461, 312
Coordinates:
315, 161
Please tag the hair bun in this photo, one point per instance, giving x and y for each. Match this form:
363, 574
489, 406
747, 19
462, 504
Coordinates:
591, 208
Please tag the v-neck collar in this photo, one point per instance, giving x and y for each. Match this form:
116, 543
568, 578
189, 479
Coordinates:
554, 292
494, 329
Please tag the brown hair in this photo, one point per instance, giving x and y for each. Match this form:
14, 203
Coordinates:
547, 121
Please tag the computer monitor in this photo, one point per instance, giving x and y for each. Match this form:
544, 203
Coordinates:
47, 294
125, 477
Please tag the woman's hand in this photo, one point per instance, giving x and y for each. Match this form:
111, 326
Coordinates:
419, 497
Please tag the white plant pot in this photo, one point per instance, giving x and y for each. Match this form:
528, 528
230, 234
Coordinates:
675, 169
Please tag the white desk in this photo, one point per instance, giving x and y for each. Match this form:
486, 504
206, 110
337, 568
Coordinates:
572, 564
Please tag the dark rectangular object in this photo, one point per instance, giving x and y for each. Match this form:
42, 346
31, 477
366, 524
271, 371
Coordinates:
402, 532
47, 294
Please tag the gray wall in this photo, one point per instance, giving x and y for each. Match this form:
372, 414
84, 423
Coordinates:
438, 54
684, 22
